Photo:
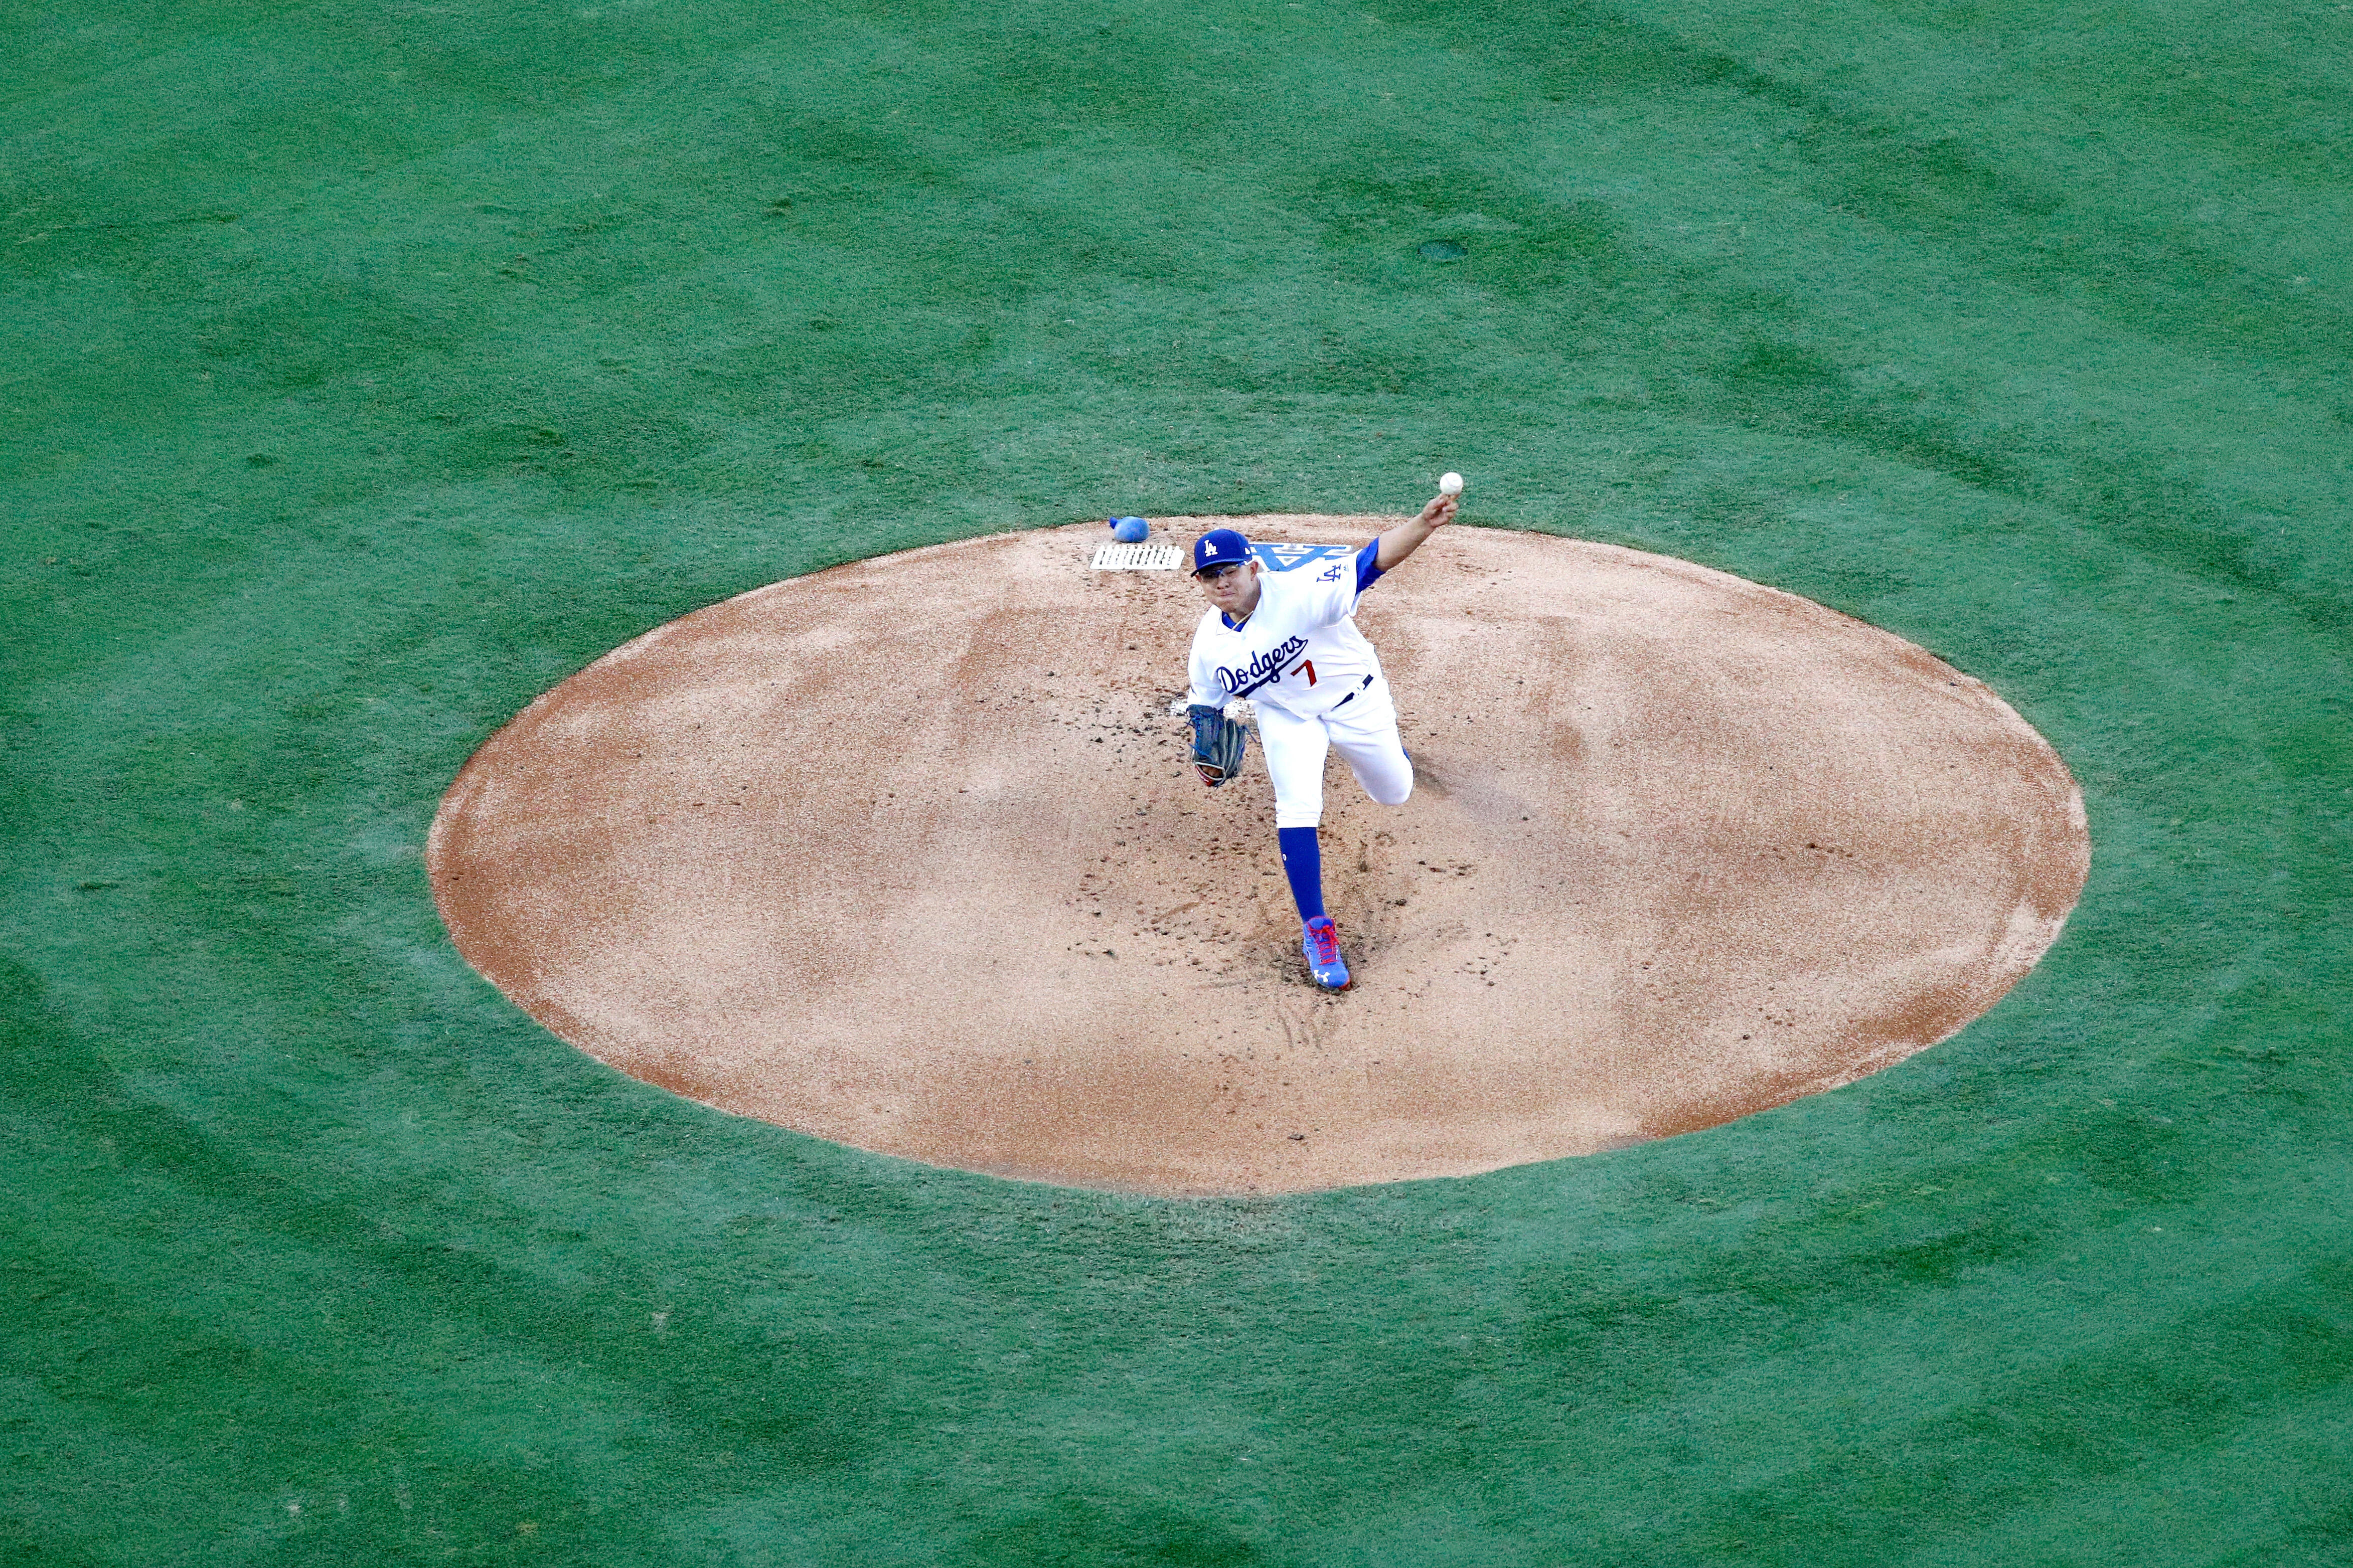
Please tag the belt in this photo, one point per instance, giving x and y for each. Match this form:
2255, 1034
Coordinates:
1352, 696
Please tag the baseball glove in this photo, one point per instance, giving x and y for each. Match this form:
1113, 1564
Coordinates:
1217, 744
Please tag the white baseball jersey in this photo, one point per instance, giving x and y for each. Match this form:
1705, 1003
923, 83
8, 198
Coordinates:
1300, 649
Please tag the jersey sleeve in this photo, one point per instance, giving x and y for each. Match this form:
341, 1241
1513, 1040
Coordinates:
1331, 595
1201, 685
1368, 569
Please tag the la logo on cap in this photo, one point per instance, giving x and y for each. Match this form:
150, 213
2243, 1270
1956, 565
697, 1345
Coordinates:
1218, 547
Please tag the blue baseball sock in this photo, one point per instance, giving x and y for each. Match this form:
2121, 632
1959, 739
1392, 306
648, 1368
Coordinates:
1302, 862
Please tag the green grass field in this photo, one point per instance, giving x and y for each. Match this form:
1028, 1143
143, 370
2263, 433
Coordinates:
369, 366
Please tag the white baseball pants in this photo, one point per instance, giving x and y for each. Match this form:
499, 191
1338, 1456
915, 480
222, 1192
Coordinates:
1363, 730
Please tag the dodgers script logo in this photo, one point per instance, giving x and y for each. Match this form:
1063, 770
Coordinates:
1261, 669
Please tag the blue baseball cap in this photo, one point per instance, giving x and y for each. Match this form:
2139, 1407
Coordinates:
1218, 547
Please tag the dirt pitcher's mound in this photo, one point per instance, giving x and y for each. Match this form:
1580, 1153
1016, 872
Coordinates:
906, 854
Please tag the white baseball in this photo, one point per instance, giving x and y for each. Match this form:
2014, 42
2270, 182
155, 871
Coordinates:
1450, 484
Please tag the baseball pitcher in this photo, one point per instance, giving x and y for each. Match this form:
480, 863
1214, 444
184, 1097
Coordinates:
1285, 645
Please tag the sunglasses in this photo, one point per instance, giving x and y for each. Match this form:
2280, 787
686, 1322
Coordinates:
1218, 573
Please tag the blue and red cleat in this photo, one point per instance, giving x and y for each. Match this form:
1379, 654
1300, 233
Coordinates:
1321, 943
